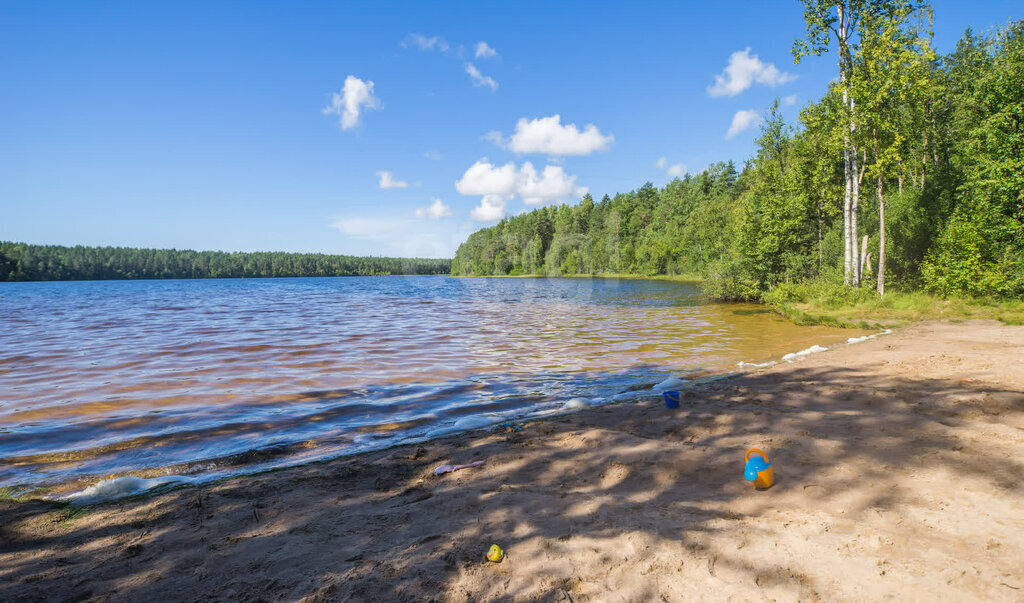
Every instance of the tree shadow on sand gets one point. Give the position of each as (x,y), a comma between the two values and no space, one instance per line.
(631,499)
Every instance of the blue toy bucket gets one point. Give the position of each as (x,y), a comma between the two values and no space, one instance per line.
(671,399)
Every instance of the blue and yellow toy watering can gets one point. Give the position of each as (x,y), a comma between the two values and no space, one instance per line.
(759,469)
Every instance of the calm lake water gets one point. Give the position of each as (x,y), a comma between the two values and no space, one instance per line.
(212,377)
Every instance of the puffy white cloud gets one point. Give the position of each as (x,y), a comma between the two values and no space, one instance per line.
(491,208)
(387,180)
(480,79)
(547,135)
(484,178)
(744,119)
(356,96)
(743,71)
(789,100)
(499,184)
(677,170)
(484,51)
(434,211)
(424,43)
(553,184)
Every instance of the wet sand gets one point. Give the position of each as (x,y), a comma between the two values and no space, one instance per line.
(898,461)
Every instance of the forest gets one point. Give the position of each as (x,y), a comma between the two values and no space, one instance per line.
(24,262)
(908,173)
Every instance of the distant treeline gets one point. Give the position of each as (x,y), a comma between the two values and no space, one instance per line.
(649,231)
(908,172)
(25,262)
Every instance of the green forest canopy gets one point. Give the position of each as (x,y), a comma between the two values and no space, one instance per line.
(24,262)
(937,151)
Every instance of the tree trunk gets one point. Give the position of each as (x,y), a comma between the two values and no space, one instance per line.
(863,255)
(854,202)
(849,238)
(881,240)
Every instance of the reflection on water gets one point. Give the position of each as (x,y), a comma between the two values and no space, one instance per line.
(210,376)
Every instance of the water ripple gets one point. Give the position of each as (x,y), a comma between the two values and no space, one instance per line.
(212,376)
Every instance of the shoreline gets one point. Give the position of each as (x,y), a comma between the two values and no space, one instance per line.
(675,278)
(896,309)
(896,472)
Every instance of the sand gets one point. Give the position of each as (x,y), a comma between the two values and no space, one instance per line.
(898,461)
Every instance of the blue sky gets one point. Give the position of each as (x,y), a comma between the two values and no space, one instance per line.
(223,126)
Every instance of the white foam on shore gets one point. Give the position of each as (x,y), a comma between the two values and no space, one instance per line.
(814,349)
(867,337)
(670,384)
(475,421)
(119,487)
(630,395)
(577,403)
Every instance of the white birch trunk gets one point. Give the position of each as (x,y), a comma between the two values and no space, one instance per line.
(854,200)
(863,255)
(847,240)
(881,240)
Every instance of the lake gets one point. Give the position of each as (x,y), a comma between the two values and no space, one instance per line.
(207,378)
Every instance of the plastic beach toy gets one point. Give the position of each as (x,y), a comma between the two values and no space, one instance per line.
(495,554)
(759,469)
(671,399)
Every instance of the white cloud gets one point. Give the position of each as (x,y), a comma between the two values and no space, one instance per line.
(743,71)
(677,170)
(499,184)
(434,211)
(355,96)
(547,135)
(480,79)
(433,155)
(484,178)
(491,209)
(553,184)
(387,180)
(424,43)
(483,51)
(744,118)
(789,100)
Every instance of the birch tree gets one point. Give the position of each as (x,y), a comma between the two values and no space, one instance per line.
(892,74)
(826,20)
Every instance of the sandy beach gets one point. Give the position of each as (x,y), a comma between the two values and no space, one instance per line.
(898,461)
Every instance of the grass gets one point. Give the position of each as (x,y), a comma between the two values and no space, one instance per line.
(70,513)
(893,310)
(21,492)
